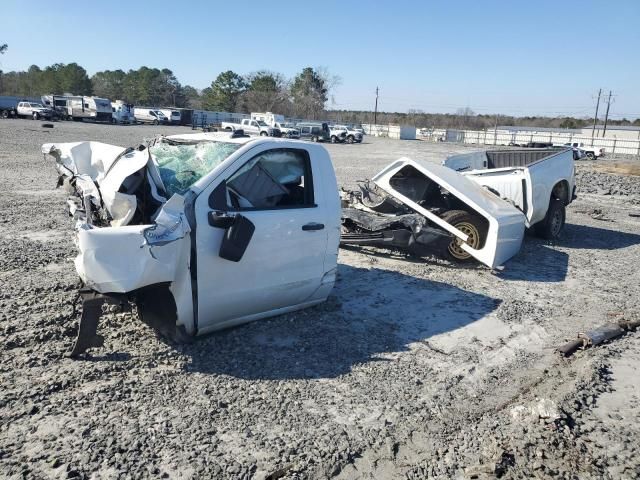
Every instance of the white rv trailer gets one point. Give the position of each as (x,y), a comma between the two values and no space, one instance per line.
(79,108)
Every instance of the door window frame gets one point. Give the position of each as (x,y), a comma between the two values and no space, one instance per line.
(308,180)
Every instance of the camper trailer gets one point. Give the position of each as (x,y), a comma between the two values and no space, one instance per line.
(267,117)
(78,108)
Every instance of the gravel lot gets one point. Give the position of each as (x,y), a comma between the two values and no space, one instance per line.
(415,368)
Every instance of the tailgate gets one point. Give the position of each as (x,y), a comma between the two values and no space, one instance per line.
(506,223)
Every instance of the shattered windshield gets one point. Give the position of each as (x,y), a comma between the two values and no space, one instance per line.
(181,166)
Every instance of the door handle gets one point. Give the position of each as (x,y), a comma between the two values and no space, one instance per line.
(313,226)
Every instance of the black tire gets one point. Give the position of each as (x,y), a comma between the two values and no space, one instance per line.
(5,114)
(114,121)
(334,139)
(474,226)
(35,116)
(350,139)
(552,225)
(263,134)
(314,139)
(591,156)
(156,122)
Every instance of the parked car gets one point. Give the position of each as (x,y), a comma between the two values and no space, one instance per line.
(149,115)
(34,110)
(353,135)
(337,135)
(252,127)
(315,132)
(233,229)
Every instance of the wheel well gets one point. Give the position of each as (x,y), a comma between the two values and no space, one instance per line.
(561,191)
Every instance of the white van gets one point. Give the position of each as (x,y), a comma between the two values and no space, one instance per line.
(149,115)
(173,116)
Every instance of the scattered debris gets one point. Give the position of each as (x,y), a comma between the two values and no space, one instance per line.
(599,335)
(543,408)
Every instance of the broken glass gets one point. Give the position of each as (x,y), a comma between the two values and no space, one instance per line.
(181,166)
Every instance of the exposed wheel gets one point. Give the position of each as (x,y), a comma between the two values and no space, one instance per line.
(314,139)
(471,225)
(334,139)
(350,139)
(156,122)
(551,226)
(114,121)
(5,114)
(263,134)
(591,155)
(36,116)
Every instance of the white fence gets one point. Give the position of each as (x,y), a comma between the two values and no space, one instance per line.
(506,137)
(399,132)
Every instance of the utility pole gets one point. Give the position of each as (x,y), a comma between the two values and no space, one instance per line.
(375,113)
(606,116)
(595,119)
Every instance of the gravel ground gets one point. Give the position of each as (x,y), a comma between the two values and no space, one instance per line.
(415,368)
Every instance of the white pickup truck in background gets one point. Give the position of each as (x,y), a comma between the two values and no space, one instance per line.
(591,151)
(252,127)
(34,110)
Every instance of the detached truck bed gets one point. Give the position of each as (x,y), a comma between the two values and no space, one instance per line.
(539,182)
(478,205)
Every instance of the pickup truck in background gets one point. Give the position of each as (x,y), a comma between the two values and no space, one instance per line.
(353,135)
(252,127)
(337,135)
(475,205)
(232,229)
(591,151)
(288,130)
(34,110)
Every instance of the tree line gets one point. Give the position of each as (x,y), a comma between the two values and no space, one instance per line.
(305,95)
(464,119)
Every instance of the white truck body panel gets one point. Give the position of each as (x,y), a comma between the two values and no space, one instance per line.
(506,223)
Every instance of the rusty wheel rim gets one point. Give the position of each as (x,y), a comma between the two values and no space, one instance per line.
(473,240)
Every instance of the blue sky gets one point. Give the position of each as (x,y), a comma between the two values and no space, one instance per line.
(514,57)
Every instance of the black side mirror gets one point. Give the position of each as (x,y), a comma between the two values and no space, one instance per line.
(236,239)
(220,219)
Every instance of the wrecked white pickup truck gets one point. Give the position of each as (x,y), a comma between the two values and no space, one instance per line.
(200,231)
(475,205)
